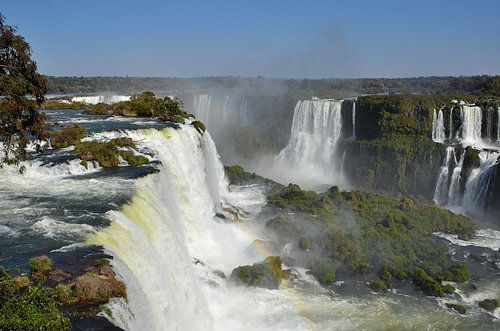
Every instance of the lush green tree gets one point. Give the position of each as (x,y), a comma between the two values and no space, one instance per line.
(22,90)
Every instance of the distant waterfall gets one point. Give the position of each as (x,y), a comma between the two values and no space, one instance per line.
(478,183)
(498,124)
(244,121)
(443,181)
(354,120)
(471,117)
(315,133)
(95,99)
(219,110)
(450,137)
(454,192)
(202,105)
(438,134)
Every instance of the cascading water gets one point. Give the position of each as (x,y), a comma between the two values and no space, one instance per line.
(498,124)
(443,181)
(471,118)
(109,99)
(354,120)
(454,192)
(202,104)
(315,133)
(219,110)
(243,112)
(478,182)
(438,134)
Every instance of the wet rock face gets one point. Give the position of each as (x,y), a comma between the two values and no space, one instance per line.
(266,274)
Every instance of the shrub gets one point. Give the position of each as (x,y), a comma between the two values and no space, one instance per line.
(69,135)
(378,285)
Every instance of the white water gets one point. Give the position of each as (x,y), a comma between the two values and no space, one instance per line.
(471,118)
(354,120)
(454,198)
(95,99)
(438,134)
(217,111)
(450,137)
(312,147)
(478,182)
(498,124)
(443,181)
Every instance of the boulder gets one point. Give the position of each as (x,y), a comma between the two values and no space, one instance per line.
(265,274)
(59,275)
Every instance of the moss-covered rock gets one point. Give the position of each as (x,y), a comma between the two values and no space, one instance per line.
(106,153)
(133,159)
(69,135)
(97,109)
(325,272)
(199,126)
(489,304)
(448,289)
(40,268)
(266,274)
(457,273)
(378,285)
(457,307)
(426,283)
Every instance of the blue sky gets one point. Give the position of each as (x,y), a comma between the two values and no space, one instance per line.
(272,38)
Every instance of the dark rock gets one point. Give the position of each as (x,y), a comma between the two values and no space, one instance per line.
(59,275)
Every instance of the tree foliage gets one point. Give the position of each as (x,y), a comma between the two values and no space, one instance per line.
(19,79)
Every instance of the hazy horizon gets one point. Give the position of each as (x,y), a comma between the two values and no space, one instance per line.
(274,39)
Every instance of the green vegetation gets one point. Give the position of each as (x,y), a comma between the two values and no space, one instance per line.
(40,268)
(106,153)
(199,126)
(69,135)
(24,306)
(267,274)
(457,307)
(489,304)
(238,176)
(378,285)
(488,85)
(147,105)
(19,80)
(97,109)
(365,233)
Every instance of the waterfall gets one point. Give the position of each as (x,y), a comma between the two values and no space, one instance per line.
(354,120)
(454,192)
(219,110)
(109,99)
(471,117)
(489,123)
(443,181)
(224,110)
(438,134)
(450,137)
(202,105)
(498,124)
(169,222)
(314,137)
(244,121)
(478,183)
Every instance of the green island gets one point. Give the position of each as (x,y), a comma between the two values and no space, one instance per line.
(364,235)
